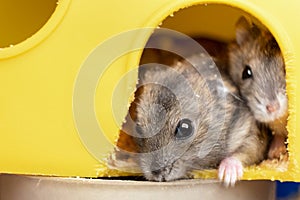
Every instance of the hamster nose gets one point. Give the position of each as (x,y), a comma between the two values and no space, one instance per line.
(156,172)
(273,107)
(159,175)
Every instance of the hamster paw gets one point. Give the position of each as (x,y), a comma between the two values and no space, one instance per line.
(277,148)
(230,170)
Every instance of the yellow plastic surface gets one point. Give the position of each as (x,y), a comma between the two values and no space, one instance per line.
(43,79)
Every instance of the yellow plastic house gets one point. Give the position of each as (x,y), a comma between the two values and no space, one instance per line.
(68,71)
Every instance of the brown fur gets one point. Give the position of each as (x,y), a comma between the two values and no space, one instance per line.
(256,47)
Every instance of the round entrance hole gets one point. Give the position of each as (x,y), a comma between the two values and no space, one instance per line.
(24,24)
(20,20)
(213,26)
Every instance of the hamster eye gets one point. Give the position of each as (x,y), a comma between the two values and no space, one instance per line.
(184,129)
(247,73)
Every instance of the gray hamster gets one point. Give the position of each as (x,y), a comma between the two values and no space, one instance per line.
(256,66)
(188,118)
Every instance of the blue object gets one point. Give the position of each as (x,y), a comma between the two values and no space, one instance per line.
(286,189)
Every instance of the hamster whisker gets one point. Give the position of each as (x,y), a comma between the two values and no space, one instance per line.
(236,97)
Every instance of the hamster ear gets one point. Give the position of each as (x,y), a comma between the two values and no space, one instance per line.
(246,31)
(149,73)
(242,30)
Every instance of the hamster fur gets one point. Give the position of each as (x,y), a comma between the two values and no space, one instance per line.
(256,66)
(186,121)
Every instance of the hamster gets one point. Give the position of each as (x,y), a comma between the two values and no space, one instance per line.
(256,66)
(186,120)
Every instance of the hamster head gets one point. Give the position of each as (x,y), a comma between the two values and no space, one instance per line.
(170,125)
(257,67)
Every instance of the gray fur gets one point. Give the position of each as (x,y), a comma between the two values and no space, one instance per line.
(224,126)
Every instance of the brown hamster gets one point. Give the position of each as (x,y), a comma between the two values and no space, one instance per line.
(257,68)
(187,118)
